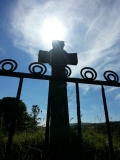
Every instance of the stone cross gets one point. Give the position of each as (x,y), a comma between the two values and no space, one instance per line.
(59,124)
(57,56)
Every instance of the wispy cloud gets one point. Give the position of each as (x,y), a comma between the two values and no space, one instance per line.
(112,89)
(2,50)
(117,97)
(92,30)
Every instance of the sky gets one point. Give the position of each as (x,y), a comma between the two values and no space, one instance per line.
(89,28)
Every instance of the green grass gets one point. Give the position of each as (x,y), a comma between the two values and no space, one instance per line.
(25,145)
(29,146)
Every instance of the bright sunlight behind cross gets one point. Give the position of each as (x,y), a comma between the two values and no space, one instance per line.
(52,30)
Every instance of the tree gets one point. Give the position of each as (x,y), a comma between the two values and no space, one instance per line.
(35,112)
(7,107)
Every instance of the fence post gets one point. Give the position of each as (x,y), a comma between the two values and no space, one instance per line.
(108,124)
(47,125)
(12,128)
(79,122)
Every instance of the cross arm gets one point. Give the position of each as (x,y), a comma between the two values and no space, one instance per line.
(72,59)
(43,56)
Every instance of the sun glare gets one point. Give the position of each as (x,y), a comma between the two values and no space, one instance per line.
(52,30)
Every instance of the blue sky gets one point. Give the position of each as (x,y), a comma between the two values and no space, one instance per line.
(89,28)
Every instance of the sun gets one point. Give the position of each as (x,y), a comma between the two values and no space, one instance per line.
(52,29)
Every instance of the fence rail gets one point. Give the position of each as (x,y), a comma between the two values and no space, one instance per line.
(111,79)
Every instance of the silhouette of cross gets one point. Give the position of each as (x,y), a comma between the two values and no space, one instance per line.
(57,56)
(59,122)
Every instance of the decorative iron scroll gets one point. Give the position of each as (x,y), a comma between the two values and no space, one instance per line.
(108,74)
(39,65)
(90,71)
(13,65)
(63,71)
(67,71)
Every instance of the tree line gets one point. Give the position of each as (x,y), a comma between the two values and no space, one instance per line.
(24,120)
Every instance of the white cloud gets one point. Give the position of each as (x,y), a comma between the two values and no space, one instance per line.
(112,89)
(2,51)
(92,30)
(117,97)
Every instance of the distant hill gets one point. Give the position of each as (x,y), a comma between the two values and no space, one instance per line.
(103,123)
(99,127)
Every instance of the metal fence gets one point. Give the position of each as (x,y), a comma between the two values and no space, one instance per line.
(111,79)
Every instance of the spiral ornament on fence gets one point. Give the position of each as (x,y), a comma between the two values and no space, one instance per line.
(39,65)
(8,62)
(87,70)
(108,74)
(64,71)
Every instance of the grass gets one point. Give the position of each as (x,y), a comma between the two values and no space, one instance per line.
(100,142)
(25,146)
(30,145)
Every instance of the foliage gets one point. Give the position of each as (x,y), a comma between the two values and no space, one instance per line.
(25,146)
(35,112)
(30,145)
(28,141)
(95,143)
(8,107)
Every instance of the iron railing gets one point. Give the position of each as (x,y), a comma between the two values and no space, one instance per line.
(111,79)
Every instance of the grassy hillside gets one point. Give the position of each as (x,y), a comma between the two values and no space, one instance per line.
(30,145)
